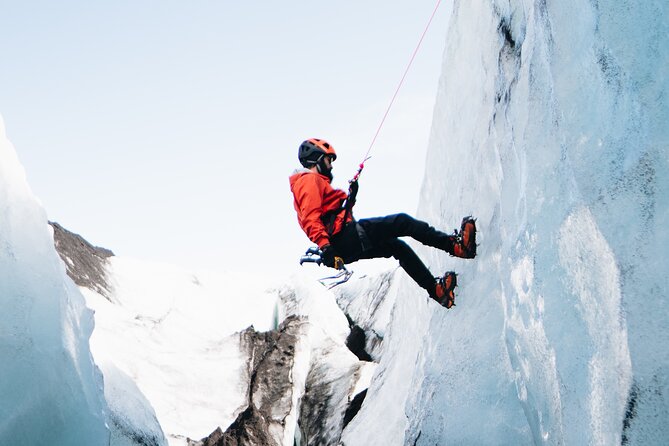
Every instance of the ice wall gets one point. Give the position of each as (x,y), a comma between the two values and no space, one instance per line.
(550,127)
(50,391)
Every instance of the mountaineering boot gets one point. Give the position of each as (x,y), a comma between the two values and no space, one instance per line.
(444,288)
(464,245)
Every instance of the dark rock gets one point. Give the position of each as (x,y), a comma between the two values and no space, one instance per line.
(361,307)
(271,357)
(86,264)
(209,441)
(354,407)
(325,402)
(251,428)
(356,341)
(315,406)
(504,29)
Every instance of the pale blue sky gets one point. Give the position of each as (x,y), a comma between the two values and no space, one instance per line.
(167,130)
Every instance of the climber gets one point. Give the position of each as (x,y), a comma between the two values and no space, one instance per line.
(325,215)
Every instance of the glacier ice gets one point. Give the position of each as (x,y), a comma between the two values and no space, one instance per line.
(50,390)
(132,420)
(550,127)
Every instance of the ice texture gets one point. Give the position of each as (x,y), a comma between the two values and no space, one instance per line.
(175,334)
(50,390)
(550,128)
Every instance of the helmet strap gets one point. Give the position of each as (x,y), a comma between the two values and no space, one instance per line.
(322,168)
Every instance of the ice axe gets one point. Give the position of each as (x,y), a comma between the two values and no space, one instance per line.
(313,255)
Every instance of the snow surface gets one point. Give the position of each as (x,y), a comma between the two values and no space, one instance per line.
(175,334)
(50,390)
(550,124)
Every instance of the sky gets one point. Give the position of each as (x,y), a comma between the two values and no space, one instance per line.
(167,130)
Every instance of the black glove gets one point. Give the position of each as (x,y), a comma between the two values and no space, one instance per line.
(352,193)
(330,257)
(353,188)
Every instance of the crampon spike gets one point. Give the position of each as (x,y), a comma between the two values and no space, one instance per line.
(332,281)
(313,255)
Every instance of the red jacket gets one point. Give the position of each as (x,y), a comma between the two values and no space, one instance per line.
(314,198)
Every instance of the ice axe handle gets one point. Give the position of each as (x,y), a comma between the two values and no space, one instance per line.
(313,255)
(310,259)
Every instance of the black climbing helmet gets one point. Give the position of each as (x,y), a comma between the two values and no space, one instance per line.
(312,151)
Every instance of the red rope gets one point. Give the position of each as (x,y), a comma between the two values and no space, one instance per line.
(397,90)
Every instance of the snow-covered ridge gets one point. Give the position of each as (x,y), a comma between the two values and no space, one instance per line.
(175,333)
(221,357)
(89,270)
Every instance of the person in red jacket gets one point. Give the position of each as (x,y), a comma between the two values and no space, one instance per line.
(325,214)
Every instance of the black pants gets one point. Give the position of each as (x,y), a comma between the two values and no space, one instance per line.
(378,237)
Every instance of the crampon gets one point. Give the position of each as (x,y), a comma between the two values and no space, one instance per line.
(465,239)
(444,292)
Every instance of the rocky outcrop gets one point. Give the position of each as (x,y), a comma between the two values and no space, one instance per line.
(270,401)
(251,428)
(339,369)
(326,400)
(303,378)
(302,382)
(86,264)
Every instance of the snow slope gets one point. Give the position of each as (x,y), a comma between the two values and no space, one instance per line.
(50,390)
(550,123)
(175,334)
(177,344)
